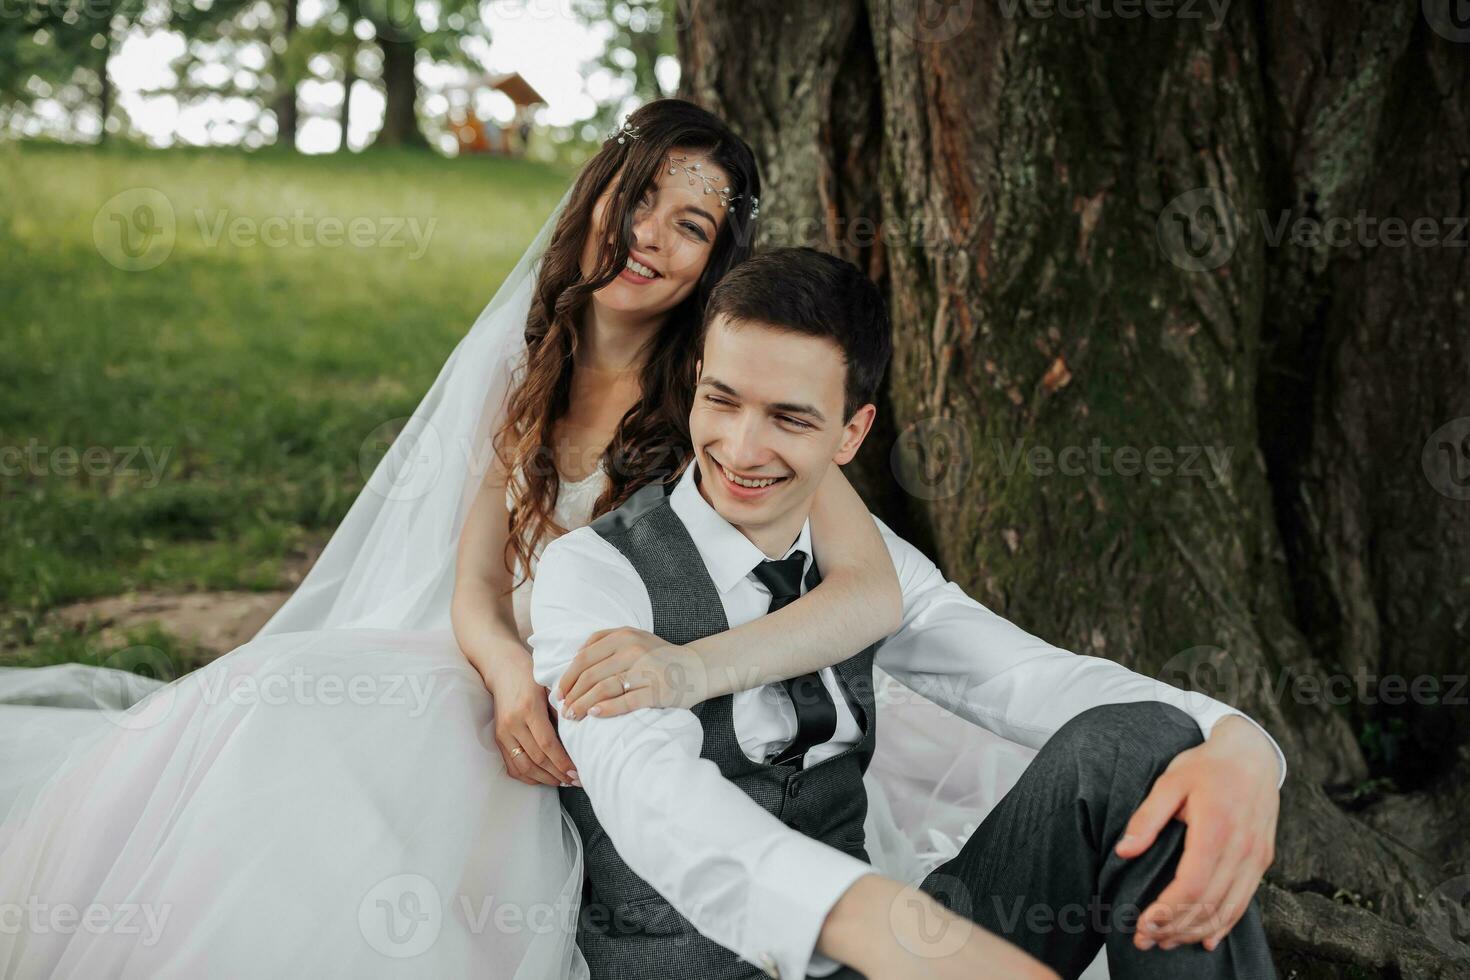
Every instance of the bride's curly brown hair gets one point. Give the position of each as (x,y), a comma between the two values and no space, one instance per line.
(652,441)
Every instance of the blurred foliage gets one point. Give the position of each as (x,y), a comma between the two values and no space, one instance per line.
(639,33)
(246,52)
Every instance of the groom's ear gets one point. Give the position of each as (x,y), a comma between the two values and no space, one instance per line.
(854,432)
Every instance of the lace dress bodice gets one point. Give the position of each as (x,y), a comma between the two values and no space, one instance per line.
(574,503)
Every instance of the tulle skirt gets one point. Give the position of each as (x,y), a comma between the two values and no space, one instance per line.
(332,803)
(329,803)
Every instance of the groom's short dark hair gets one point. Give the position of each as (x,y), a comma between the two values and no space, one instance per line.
(813,293)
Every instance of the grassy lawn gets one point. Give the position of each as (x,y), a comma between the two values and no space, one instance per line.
(190,425)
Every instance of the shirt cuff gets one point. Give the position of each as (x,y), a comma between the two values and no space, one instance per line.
(1210,717)
(800,880)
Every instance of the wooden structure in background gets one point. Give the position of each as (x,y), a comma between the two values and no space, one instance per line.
(480,136)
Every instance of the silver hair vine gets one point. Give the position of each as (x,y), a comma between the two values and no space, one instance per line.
(624,133)
(678,164)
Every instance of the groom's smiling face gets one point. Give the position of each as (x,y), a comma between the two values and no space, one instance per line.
(767,423)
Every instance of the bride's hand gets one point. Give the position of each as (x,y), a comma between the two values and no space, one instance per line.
(525,720)
(658,674)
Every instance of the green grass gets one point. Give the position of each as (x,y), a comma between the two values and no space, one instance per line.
(251,373)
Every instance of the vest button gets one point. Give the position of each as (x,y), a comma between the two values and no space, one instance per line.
(793,788)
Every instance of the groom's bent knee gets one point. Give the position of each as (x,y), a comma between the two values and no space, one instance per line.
(1147,733)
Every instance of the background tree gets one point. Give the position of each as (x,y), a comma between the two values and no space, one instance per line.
(406,31)
(61,51)
(1075,219)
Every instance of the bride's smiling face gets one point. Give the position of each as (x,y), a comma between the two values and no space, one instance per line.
(674,229)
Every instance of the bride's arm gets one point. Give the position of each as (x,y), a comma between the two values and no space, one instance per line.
(482,613)
(481,610)
(858,602)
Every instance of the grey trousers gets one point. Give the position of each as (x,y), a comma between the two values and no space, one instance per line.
(1041,871)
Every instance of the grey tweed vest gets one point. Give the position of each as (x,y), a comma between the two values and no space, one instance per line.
(626,930)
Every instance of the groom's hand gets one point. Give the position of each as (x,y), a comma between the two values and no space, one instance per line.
(658,674)
(1225,792)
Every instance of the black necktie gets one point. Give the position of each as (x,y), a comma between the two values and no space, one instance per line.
(816,715)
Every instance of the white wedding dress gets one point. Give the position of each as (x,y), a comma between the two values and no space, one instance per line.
(313,804)
(327,799)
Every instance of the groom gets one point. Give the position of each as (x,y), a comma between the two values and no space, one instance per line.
(726,840)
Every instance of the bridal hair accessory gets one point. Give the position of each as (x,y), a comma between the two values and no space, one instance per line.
(624,133)
(678,164)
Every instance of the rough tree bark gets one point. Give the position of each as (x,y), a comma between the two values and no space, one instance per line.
(1078,237)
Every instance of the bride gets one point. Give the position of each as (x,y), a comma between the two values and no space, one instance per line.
(366,787)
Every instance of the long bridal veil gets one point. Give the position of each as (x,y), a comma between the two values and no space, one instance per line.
(327,798)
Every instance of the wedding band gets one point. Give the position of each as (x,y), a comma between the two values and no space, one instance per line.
(626,685)
(516,751)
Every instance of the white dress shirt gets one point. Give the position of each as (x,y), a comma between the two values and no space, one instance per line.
(741,876)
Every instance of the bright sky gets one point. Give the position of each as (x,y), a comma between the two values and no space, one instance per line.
(538,38)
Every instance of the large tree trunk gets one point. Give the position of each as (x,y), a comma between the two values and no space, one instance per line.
(400,115)
(1129,421)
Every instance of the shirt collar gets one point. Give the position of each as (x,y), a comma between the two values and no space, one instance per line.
(728,554)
